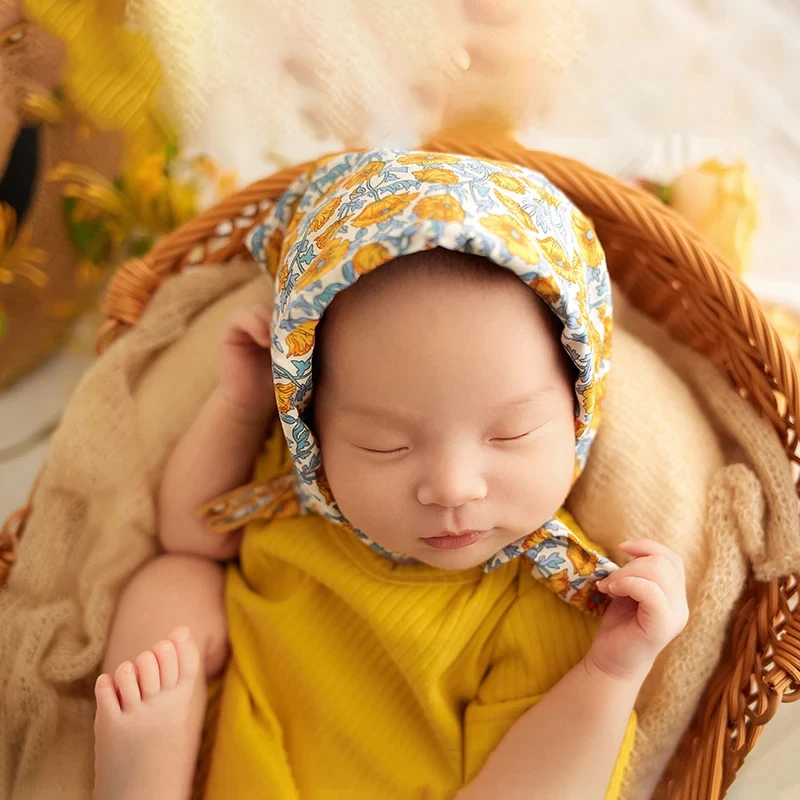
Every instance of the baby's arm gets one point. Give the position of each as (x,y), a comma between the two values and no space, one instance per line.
(217,453)
(567,745)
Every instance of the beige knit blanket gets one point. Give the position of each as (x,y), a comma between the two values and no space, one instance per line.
(680,458)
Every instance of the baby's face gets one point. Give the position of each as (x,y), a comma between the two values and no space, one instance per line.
(445,414)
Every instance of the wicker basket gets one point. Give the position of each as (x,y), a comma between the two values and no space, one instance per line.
(670,274)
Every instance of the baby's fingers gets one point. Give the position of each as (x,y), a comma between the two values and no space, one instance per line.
(654,608)
(660,570)
(254,323)
(647,547)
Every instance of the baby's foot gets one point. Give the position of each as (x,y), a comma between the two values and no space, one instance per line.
(144,745)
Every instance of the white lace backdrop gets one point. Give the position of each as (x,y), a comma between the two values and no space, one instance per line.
(626,85)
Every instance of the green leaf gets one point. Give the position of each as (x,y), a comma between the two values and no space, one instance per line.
(89,236)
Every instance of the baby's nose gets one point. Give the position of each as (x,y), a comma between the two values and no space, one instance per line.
(451,486)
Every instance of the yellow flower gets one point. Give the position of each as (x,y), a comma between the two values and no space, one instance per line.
(590,599)
(582,560)
(370,257)
(436,175)
(721,203)
(537,537)
(542,195)
(18,259)
(559,582)
(588,243)
(366,172)
(324,239)
(325,213)
(301,338)
(546,289)
(327,260)
(518,211)
(514,236)
(556,255)
(440,207)
(149,173)
(427,158)
(508,182)
(383,209)
(284,394)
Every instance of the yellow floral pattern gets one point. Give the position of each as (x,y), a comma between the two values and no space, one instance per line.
(440,207)
(513,236)
(444,177)
(352,213)
(370,257)
(301,339)
(384,209)
(506,181)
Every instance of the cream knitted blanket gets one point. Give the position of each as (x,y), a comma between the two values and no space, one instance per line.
(680,458)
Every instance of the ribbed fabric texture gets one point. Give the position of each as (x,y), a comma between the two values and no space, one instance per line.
(355,677)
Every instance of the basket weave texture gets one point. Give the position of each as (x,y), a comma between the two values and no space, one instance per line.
(671,275)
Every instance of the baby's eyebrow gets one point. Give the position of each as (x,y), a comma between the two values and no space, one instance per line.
(397,417)
(385,415)
(529,398)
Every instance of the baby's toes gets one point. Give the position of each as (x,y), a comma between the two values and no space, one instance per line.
(105,693)
(167,658)
(148,671)
(188,655)
(127,686)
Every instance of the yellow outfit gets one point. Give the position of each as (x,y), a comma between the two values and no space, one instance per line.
(354,677)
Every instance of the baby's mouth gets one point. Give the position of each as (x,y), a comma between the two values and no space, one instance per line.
(454,540)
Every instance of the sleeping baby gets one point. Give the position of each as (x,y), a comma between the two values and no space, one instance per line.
(408,610)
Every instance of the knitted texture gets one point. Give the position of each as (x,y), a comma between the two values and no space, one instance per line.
(92,522)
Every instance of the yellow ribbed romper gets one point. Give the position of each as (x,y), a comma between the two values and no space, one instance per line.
(354,677)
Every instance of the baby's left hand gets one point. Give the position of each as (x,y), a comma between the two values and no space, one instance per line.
(648,610)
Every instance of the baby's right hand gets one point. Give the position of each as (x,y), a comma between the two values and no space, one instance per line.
(245,364)
(648,610)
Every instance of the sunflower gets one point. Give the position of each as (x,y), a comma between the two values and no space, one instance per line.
(423,159)
(370,257)
(513,235)
(366,172)
(588,243)
(328,258)
(436,175)
(301,338)
(508,182)
(440,207)
(324,214)
(384,209)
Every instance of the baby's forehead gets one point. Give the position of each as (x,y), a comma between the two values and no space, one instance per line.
(436,271)
(459,306)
